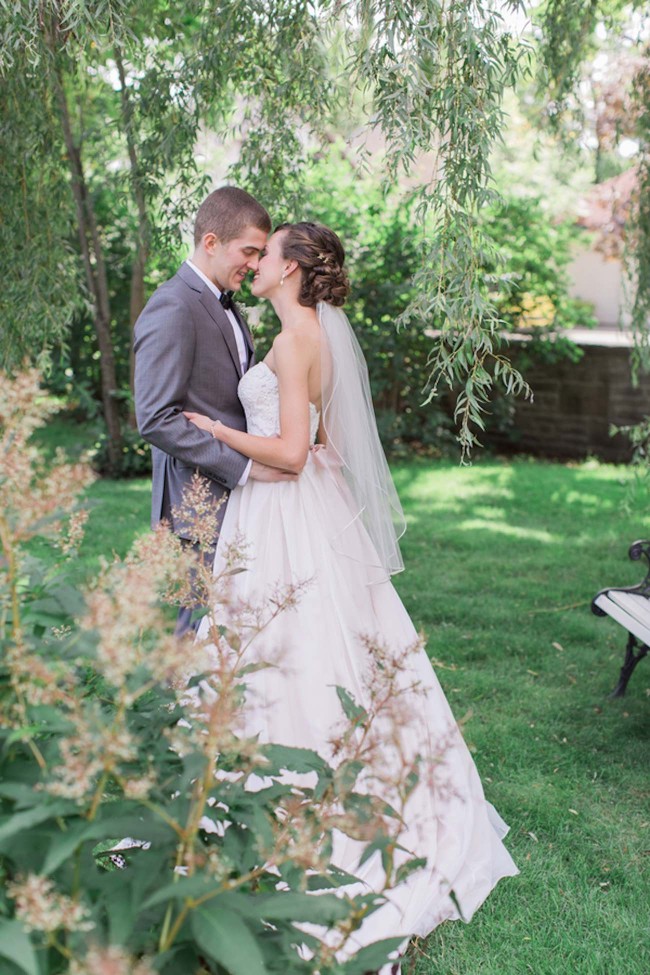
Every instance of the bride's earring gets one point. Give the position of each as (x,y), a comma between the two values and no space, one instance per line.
(284,274)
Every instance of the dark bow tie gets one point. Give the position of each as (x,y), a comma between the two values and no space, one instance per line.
(226,299)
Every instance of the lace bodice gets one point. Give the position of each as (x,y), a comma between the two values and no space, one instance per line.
(260,397)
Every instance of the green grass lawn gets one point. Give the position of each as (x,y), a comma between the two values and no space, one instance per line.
(502,559)
(502,562)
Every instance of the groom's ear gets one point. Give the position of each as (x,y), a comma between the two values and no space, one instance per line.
(209,241)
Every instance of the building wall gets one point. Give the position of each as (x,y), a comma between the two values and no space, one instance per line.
(576,403)
(599,281)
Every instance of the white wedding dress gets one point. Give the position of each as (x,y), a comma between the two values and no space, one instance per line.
(291,529)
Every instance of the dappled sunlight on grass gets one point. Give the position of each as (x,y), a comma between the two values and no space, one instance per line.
(580,498)
(517,494)
(501,527)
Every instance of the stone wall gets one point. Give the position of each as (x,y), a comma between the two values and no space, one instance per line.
(576,403)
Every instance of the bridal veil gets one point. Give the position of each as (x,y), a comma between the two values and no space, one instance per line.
(348,418)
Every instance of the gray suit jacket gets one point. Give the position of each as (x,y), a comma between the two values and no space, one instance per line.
(186,359)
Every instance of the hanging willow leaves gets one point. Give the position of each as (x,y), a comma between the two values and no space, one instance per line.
(437,73)
(104,102)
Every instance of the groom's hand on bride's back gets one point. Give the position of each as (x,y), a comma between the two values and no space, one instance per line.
(260,472)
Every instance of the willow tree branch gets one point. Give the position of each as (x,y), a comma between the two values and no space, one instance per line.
(143,235)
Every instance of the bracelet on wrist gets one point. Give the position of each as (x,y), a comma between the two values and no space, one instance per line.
(213,428)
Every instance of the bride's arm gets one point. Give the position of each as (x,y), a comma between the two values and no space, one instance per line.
(289,450)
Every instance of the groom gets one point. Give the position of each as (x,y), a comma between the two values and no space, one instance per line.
(191,349)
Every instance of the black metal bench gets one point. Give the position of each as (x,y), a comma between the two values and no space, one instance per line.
(629,606)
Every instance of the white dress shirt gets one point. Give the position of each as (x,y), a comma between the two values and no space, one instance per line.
(239,339)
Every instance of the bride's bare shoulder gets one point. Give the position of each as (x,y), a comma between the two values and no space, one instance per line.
(303,343)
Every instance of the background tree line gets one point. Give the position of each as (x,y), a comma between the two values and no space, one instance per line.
(102,107)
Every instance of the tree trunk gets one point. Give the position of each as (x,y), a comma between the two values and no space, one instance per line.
(143,240)
(93,258)
(136,305)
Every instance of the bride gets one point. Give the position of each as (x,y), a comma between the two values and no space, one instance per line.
(336,526)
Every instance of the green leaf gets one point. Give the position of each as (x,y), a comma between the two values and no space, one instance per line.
(372,957)
(407,868)
(182,888)
(178,960)
(22,793)
(135,825)
(381,843)
(121,918)
(347,775)
(223,936)
(16,946)
(285,757)
(335,877)
(31,817)
(320,909)
(456,903)
(352,710)
(64,845)
(24,733)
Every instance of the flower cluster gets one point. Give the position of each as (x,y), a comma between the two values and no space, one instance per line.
(93,746)
(111,960)
(40,907)
(199,513)
(126,612)
(72,537)
(33,498)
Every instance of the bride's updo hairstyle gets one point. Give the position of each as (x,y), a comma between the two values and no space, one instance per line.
(320,256)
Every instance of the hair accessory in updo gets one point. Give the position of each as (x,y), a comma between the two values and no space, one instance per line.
(320,255)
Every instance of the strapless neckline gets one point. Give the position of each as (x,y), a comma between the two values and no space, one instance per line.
(275,376)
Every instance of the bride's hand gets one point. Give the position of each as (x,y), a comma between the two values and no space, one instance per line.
(201,421)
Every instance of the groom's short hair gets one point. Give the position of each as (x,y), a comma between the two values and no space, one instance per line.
(227,212)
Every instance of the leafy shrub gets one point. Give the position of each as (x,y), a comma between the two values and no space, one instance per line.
(136,453)
(130,840)
(530,284)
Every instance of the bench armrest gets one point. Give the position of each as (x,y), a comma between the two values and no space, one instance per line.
(637,550)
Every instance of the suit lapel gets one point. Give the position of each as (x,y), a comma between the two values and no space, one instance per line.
(248,338)
(218,314)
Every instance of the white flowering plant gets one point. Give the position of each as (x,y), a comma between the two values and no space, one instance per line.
(131,842)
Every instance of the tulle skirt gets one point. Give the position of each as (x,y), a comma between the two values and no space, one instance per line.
(307,533)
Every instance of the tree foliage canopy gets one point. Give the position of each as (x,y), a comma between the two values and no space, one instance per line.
(117,92)
(104,101)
